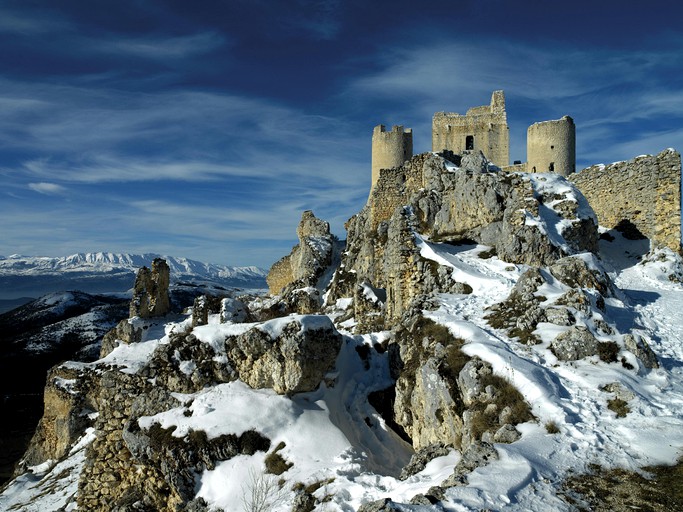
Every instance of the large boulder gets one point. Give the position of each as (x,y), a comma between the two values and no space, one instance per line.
(289,355)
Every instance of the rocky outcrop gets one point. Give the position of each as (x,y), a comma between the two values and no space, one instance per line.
(126,331)
(429,198)
(289,355)
(68,402)
(581,308)
(150,292)
(445,398)
(300,277)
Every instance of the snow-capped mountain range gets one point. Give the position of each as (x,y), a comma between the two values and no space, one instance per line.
(102,272)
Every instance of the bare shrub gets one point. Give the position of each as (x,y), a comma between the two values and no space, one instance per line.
(261,492)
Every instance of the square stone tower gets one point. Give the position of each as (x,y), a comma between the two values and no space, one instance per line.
(483,128)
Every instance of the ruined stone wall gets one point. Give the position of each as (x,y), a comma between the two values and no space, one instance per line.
(486,126)
(645,191)
(514,168)
(390,149)
(280,275)
(392,190)
(551,146)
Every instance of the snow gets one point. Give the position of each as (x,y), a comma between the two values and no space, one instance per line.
(333,435)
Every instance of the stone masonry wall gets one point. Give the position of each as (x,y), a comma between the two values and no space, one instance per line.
(645,191)
(487,125)
(390,149)
(551,146)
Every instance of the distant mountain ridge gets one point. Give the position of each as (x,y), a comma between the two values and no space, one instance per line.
(102,272)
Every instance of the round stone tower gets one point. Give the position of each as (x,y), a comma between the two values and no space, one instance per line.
(390,149)
(551,146)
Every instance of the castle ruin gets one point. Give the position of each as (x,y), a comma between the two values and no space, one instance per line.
(482,129)
(390,149)
(551,147)
(644,192)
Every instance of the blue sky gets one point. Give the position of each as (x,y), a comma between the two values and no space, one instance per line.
(204,129)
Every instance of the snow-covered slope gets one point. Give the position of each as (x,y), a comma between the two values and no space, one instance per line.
(342,448)
(104,272)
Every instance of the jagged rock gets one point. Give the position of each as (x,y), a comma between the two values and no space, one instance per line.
(67,403)
(474,161)
(308,260)
(575,343)
(235,311)
(427,404)
(203,306)
(420,459)
(427,196)
(559,316)
(506,434)
(476,455)
(576,273)
(640,348)
(127,331)
(289,355)
(150,292)
(383,505)
(579,300)
(470,380)
(303,502)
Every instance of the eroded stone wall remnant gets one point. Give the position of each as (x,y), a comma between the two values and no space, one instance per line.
(644,191)
(150,292)
(482,129)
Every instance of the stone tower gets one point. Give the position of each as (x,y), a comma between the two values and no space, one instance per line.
(390,149)
(483,128)
(551,146)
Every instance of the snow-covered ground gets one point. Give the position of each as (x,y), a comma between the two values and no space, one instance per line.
(334,437)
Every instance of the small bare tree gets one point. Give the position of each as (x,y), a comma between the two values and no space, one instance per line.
(261,492)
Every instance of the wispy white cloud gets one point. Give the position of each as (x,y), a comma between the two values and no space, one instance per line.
(158,48)
(600,88)
(47,188)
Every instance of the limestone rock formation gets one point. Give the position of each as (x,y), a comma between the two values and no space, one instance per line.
(150,292)
(444,397)
(289,355)
(126,331)
(67,403)
(300,276)
(430,198)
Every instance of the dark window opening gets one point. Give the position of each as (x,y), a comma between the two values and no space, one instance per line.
(552,147)
(551,167)
(469,142)
(517,162)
